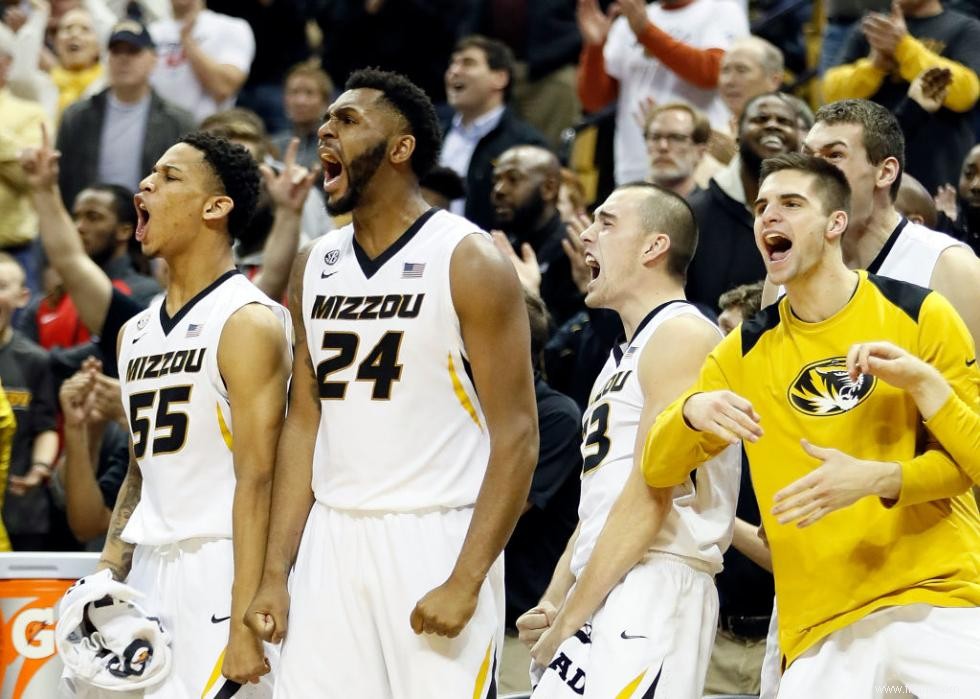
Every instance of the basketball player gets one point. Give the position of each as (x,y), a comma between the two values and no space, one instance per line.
(411,436)
(864,140)
(632,607)
(203,374)
(883,593)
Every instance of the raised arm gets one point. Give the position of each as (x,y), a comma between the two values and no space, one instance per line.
(89,287)
(220,80)
(637,516)
(292,490)
(258,406)
(496,333)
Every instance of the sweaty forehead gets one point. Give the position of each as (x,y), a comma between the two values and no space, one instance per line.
(823,134)
(786,182)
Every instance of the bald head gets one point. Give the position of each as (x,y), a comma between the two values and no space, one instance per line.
(662,211)
(532,159)
(526,182)
(915,203)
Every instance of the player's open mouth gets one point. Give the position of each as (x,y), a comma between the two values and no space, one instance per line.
(142,217)
(593,265)
(777,246)
(333,171)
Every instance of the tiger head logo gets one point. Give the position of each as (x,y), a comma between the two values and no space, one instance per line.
(824,388)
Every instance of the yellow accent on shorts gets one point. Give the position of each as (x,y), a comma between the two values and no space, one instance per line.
(627,691)
(481,676)
(461,394)
(216,672)
(223,426)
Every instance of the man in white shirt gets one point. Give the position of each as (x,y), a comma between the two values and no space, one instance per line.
(204,57)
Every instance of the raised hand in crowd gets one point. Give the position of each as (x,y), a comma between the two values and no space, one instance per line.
(289,186)
(526,265)
(593,24)
(572,245)
(40,164)
(946,201)
(14,17)
(643,111)
(635,12)
(930,87)
(885,31)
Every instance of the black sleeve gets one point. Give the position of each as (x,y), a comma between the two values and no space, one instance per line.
(113,463)
(560,456)
(855,46)
(27,320)
(121,309)
(965,47)
(44,402)
(912,117)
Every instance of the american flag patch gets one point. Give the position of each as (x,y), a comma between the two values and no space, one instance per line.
(413,270)
(194,329)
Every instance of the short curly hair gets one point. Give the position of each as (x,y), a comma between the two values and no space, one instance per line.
(414,106)
(236,171)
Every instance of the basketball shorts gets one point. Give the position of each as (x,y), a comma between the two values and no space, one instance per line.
(912,650)
(357,578)
(188,585)
(653,636)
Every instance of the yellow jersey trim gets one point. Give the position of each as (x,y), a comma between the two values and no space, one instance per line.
(461,394)
(223,426)
(481,676)
(628,690)
(216,671)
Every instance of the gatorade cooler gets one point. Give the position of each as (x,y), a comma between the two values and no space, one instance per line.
(30,586)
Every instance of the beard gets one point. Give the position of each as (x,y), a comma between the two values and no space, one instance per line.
(751,161)
(360,172)
(526,216)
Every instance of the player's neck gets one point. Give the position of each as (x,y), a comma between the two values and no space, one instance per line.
(381,221)
(861,244)
(819,293)
(641,300)
(192,272)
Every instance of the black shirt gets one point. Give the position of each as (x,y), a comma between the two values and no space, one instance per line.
(542,532)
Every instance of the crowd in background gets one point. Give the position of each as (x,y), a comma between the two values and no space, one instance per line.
(546,105)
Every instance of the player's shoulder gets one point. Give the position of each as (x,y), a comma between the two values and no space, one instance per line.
(906,297)
(755,328)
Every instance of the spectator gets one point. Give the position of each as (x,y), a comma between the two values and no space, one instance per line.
(478,85)
(750,67)
(526,180)
(279,28)
(20,127)
(96,451)
(307,95)
(441,186)
(546,43)
(551,511)
(8,425)
(914,202)
(571,196)
(24,36)
(962,217)
(669,51)
(677,139)
(738,304)
(28,385)
(727,255)
(79,73)
(204,58)
(886,52)
(841,16)
(116,136)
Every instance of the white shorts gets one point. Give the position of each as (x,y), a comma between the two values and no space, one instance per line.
(356,581)
(188,585)
(654,633)
(921,650)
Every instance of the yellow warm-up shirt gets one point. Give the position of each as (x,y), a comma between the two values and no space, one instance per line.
(924,548)
(8,425)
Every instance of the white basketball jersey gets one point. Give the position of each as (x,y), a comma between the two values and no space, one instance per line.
(401,426)
(911,252)
(179,415)
(699,524)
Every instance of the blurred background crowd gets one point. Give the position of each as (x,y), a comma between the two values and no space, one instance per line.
(546,106)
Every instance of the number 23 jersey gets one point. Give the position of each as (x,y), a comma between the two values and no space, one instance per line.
(401,427)
(179,415)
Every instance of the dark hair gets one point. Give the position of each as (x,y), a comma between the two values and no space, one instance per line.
(413,105)
(499,56)
(237,174)
(122,202)
(746,297)
(311,70)
(880,133)
(540,321)
(666,212)
(831,184)
(444,180)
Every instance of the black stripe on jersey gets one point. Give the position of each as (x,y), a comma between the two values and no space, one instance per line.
(758,325)
(169,323)
(652,689)
(887,248)
(908,297)
(369,266)
(621,340)
(228,690)
(492,692)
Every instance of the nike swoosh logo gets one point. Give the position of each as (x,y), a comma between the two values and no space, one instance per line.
(137,339)
(324,275)
(971,362)
(216,620)
(626,637)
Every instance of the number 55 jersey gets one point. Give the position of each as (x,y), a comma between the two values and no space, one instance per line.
(401,426)
(179,415)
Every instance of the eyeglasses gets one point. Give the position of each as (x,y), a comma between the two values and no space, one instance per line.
(673,139)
